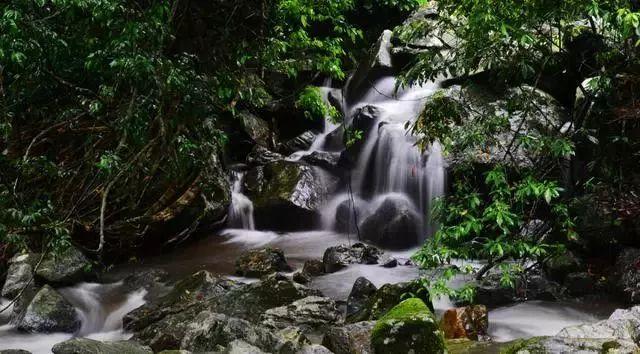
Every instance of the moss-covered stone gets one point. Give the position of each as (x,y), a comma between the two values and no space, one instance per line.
(552,345)
(90,346)
(410,327)
(49,312)
(388,296)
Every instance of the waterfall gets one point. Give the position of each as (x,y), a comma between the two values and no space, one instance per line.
(241,208)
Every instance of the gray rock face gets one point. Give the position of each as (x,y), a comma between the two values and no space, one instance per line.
(313,267)
(242,347)
(349,339)
(256,128)
(552,345)
(257,263)
(393,225)
(361,293)
(622,324)
(300,143)
(90,346)
(197,288)
(338,257)
(49,312)
(311,313)
(628,281)
(261,156)
(287,195)
(324,159)
(314,349)
(19,275)
(67,267)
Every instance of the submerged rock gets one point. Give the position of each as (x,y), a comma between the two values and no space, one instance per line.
(410,327)
(338,257)
(349,339)
(470,322)
(90,346)
(49,312)
(260,262)
(312,314)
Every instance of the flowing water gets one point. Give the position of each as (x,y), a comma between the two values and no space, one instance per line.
(389,167)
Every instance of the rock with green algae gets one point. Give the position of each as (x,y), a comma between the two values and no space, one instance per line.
(467,346)
(385,298)
(552,345)
(260,262)
(66,267)
(49,312)
(90,346)
(410,327)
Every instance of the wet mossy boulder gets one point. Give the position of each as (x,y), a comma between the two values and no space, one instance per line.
(287,195)
(410,327)
(197,288)
(552,345)
(261,262)
(66,267)
(90,346)
(387,297)
(49,312)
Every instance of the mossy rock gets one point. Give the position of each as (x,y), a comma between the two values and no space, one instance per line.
(388,296)
(408,327)
(90,346)
(550,345)
(66,267)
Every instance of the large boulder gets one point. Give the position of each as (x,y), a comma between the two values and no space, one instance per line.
(387,297)
(395,224)
(90,346)
(353,338)
(622,324)
(410,327)
(628,275)
(287,195)
(49,312)
(338,257)
(552,345)
(361,293)
(470,322)
(66,267)
(197,288)
(261,262)
(312,314)
(19,275)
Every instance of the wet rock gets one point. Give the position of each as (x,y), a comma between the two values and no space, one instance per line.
(579,284)
(314,349)
(251,300)
(19,275)
(387,297)
(287,195)
(149,279)
(393,225)
(260,155)
(167,333)
(301,278)
(256,128)
(313,267)
(197,288)
(338,257)
(550,345)
(49,312)
(408,327)
(310,314)
(294,336)
(622,324)
(559,266)
(257,263)
(67,267)
(346,217)
(324,159)
(361,293)
(378,64)
(242,347)
(300,143)
(628,274)
(389,262)
(490,292)
(208,331)
(349,339)
(90,346)
(470,322)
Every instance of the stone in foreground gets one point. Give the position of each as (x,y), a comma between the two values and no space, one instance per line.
(90,346)
(49,312)
(409,327)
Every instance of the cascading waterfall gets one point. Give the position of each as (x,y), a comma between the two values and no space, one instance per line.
(241,208)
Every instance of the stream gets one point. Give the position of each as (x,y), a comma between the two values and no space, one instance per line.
(390,170)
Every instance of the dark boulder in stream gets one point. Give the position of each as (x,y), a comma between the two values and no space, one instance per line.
(338,257)
(49,312)
(287,195)
(261,262)
(365,305)
(394,225)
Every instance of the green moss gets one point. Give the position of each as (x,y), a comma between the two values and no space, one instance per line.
(410,326)
(531,346)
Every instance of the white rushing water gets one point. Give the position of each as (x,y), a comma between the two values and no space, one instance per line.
(100,308)
(241,208)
